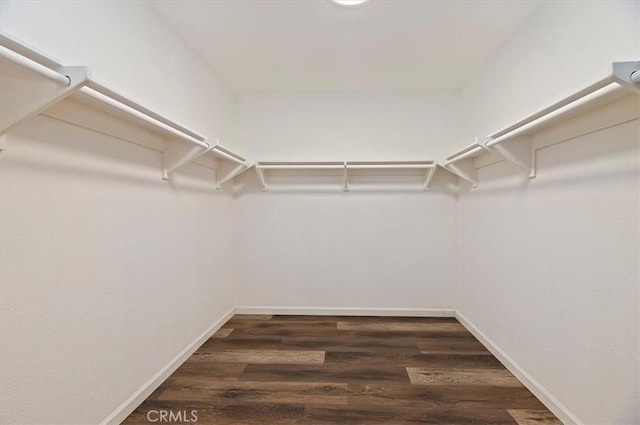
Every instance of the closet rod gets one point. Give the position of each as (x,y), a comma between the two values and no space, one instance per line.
(635,77)
(226,153)
(464,155)
(128,102)
(594,91)
(38,62)
(130,110)
(34,66)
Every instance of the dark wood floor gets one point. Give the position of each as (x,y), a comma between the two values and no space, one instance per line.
(321,370)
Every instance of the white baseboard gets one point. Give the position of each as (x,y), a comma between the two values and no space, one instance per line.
(125,409)
(345,311)
(534,386)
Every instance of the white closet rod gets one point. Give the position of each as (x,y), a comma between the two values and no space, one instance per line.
(31,59)
(129,110)
(128,102)
(576,100)
(226,153)
(34,66)
(99,92)
(464,155)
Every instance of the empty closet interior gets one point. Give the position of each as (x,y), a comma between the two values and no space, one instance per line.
(165,165)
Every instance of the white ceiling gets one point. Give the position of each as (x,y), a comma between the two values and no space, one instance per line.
(315,45)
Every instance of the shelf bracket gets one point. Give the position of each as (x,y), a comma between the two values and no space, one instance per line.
(345,178)
(430,172)
(627,74)
(178,155)
(230,175)
(262,178)
(466,170)
(463,163)
(32,105)
(518,151)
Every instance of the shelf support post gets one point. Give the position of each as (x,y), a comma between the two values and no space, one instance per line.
(345,178)
(262,178)
(430,172)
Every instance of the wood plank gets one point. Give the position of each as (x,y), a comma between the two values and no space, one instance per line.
(487,377)
(324,373)
(196,389)
(349,341)
(393,394)
(306,318)
(436,361)
(247,320)
(261,356)
(399,326)
(451,346)
(251,317)
(241,343)
(283,329)
(223,333)
(416,335)
(212,370)
(534,417)
(404,416)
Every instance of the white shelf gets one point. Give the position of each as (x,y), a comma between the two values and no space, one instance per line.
(514,142)
(374,175)
(30,82)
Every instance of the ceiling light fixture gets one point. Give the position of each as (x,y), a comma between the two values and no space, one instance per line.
(350,2)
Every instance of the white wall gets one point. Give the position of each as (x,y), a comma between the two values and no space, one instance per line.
(549,270)
(345,251)
(347,126)
(329,249)
(562,48)
(107,272)
(549,267)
